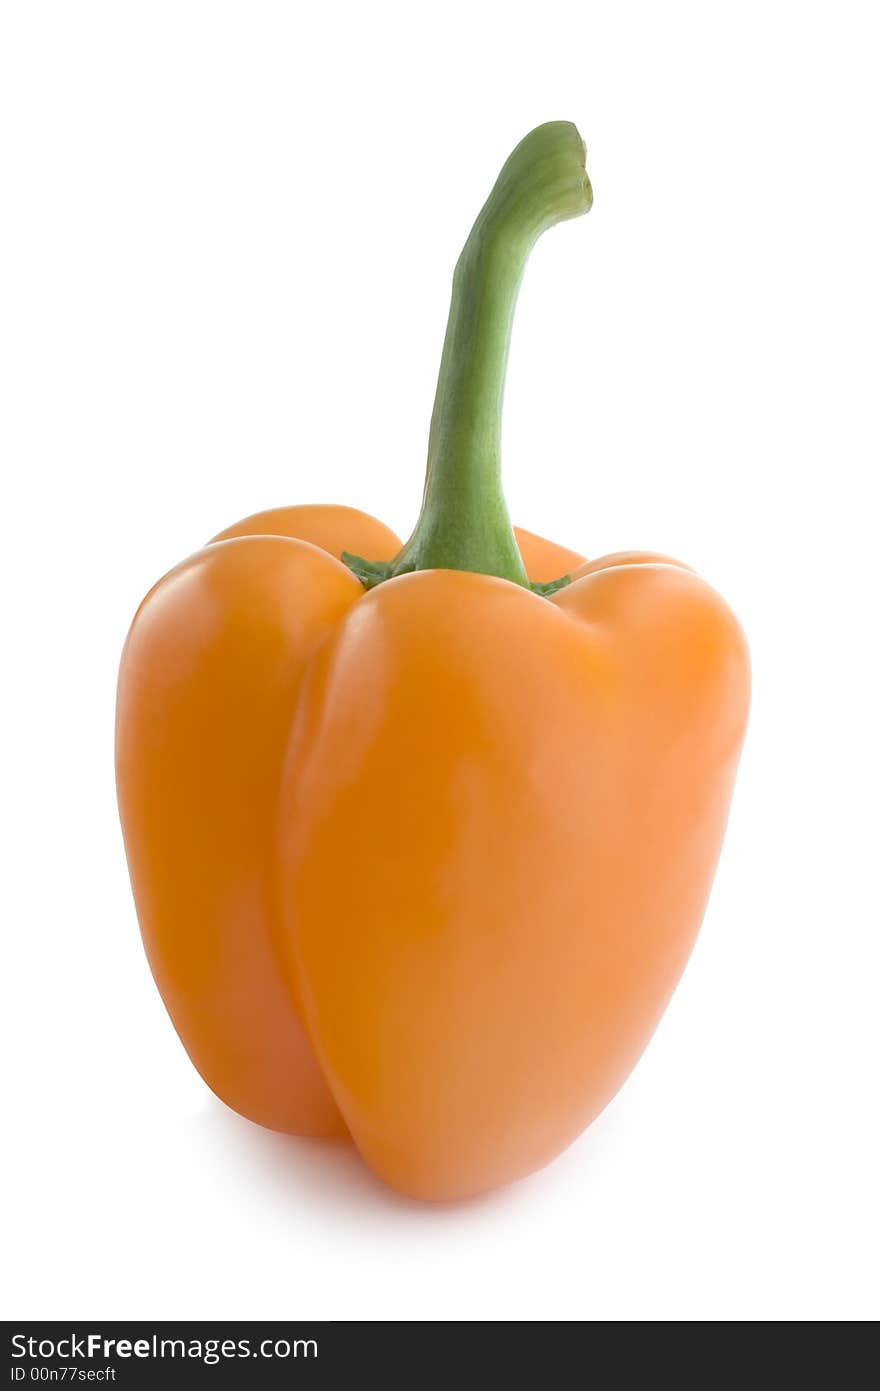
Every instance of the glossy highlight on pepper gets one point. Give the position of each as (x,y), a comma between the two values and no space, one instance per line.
(420,835)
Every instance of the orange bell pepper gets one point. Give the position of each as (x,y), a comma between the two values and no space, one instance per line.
(420,842)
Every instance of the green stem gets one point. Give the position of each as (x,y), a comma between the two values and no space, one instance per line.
(464,524)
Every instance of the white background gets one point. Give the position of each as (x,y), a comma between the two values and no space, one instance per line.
(227,241)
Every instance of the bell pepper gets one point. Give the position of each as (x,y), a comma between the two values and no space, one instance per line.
(420,836)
